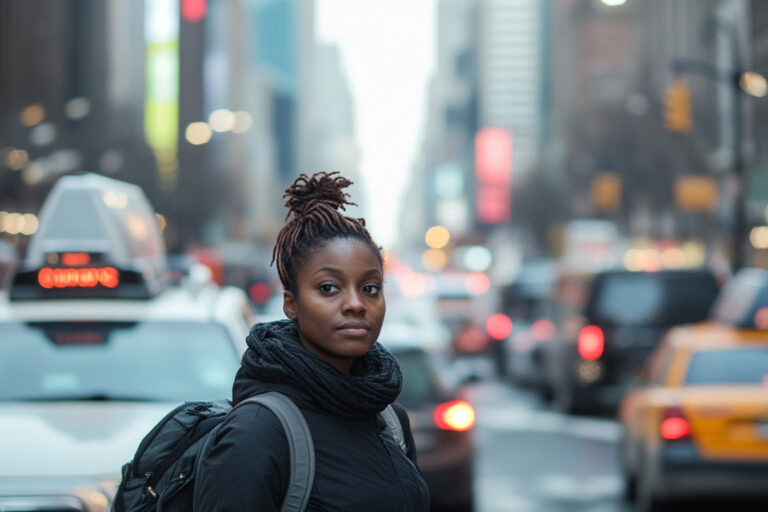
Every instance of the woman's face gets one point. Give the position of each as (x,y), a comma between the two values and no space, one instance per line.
(339,305)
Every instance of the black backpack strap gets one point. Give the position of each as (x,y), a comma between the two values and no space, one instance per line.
(300,446)
(393,423)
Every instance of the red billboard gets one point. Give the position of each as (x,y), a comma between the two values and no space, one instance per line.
(493,176)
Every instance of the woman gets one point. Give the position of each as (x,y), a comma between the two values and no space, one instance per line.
(326,359)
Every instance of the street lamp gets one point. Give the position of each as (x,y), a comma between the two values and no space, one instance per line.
(753,84)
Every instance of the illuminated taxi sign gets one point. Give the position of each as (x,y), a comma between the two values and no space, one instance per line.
(88,282)
(77,270)
(97,238)
(48,278)
(75,259)
(92,214)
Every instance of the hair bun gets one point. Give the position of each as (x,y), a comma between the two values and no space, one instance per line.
(322,188)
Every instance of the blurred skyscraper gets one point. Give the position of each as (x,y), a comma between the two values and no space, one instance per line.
(512,75)
(612,67)
(71,97)
(283,48)
(332,137)
(442,182)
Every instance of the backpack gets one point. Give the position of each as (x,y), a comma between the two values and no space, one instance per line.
(162,474)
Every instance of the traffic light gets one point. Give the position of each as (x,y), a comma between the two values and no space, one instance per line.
(606,192)
(677,107)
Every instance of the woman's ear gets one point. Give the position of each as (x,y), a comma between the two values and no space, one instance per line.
(289,305)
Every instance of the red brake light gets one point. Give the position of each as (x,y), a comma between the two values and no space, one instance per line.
(477,283)
(499,326)
(260,292)
(674,426)
(543,330)
(591,342)
(456,415)
(193,11)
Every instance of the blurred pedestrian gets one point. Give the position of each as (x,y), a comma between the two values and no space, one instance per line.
(326,359)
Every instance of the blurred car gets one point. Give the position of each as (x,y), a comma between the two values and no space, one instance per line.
(525,353)
(441,419)
(700,427)
(96,346)
(607,325)
(8,261)
(522,297)
(418,313)
(465,300)
(526,300)
(743,301)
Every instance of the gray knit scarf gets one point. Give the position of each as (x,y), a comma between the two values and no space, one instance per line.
(276,355)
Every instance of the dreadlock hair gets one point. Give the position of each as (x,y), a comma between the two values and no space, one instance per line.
(314,219)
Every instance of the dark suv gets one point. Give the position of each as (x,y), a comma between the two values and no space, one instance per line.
(609,322)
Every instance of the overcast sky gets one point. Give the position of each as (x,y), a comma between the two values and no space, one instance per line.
(387,47)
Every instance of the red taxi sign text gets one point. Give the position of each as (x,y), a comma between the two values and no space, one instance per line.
(48,278)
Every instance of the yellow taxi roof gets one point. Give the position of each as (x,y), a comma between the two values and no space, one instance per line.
(713,335)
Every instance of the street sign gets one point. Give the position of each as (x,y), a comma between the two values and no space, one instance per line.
(696,193)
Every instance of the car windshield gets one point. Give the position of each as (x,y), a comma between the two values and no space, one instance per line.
(420,381)
(653,299)
(739,366)
(115,361)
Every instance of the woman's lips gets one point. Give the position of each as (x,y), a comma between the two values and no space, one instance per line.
(354,330)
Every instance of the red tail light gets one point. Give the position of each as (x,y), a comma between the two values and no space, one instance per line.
(674,426)
(499,326)
(591,342)
(260,292)
(543,330)
(456,415)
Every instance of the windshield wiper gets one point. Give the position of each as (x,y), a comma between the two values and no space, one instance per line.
(92,397)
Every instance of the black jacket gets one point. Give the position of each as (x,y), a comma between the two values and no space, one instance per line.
(359,467)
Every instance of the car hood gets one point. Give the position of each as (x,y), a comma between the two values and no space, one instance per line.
(73,438)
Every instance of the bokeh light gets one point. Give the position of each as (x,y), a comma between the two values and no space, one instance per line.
(434,260)
(222,120)
(32,115)
(198,133)
(477,283)
(437,237)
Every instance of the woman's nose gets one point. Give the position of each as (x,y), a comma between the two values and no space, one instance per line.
(354,302)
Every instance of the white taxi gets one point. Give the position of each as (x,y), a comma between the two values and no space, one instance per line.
(96,346)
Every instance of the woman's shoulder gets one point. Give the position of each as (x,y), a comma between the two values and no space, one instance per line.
(248,461)
(402,415)
(251,422)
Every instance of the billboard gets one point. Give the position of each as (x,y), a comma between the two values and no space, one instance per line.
(493,176)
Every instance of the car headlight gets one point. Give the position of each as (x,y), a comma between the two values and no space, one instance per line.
(109,487)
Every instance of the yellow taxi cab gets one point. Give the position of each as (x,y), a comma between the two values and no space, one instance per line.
(700,426)
(96,345)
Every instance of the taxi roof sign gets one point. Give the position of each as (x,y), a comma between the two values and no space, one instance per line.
(91,220)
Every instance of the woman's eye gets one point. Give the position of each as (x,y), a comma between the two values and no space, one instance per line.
(328,288)
(372,289)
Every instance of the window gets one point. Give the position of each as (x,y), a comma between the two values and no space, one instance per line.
(653,299)
(420,382)
(735,366)
(629,299)
(171,361)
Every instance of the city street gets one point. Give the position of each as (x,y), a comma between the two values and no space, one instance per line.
(538,226)
(530,459)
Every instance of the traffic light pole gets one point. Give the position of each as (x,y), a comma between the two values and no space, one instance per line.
(703,68)
(740,195)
